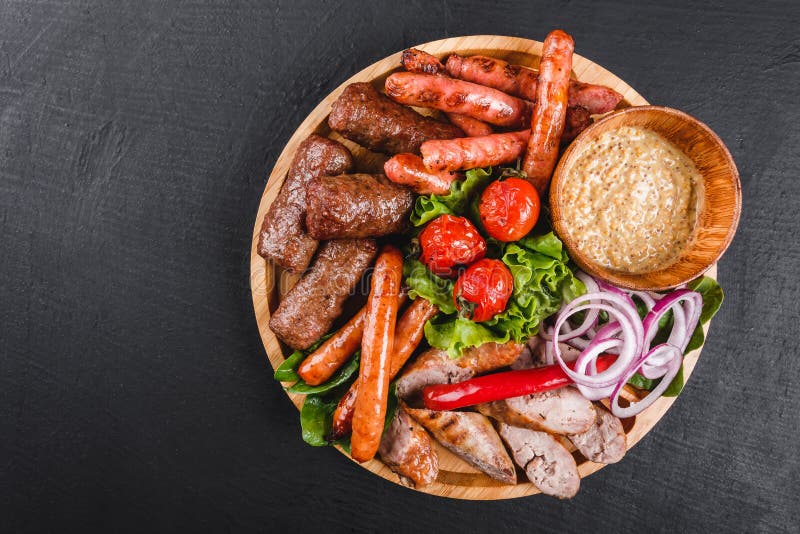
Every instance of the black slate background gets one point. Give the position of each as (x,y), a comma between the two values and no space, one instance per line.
(135,140)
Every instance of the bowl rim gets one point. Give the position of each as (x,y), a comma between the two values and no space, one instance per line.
(640,281)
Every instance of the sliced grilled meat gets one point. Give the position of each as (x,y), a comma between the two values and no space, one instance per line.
(408,451)
(378,123)
(560,411)
(436,367)
(605,441)
(308,310)
(548,464)
(472,437)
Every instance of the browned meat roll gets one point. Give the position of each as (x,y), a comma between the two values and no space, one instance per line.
(307,312)
(605,441)
(376,122)
(356,206)
(283,238)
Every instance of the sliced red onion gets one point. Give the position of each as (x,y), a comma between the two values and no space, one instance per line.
(672,369)
(625,334)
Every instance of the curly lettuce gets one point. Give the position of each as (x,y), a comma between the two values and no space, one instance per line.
(542,282)
(456,202)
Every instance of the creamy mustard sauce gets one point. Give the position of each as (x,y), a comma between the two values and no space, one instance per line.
(631,199)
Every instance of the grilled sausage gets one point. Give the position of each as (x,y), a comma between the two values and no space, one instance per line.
(408,334)
(472,437)
(522,82)
(547,463)
(435,367)
(605,441)
(376,351)
(549,111)
(471,152)
(311,306)
(410,171)
(320,365)
(420,62)
(457,96)
(376,122)
(407,449)
(560,411)
(470,126)
(578,119)
(283,238)
(356,206)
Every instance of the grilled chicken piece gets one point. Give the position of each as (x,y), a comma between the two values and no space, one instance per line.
(408,451)
(435,367)
(472,437)
(548,464)
(605,441)
(560,411)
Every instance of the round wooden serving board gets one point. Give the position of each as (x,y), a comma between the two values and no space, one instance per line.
(456,478)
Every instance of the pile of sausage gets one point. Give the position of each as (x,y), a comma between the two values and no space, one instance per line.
(327,220)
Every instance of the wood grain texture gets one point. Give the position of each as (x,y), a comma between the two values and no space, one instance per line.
(134,143)
(456,478)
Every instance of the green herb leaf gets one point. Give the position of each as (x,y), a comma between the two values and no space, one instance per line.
(456,202)
(697,339)
(342,376)
(287,371)
(676,386)
(641,382)
(392,405)
(712,296)
(316,419)
(423,283)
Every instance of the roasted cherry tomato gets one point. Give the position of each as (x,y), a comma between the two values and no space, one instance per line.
(483,290)
(449,241)
(509,209)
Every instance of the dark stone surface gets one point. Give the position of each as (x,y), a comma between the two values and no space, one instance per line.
(134,143)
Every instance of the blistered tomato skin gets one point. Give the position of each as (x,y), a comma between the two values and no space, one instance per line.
(483,290)
(449,242)
(509,209)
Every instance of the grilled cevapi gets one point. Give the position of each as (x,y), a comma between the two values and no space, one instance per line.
(307,312)
(283,237)
(374,121)
(356,206)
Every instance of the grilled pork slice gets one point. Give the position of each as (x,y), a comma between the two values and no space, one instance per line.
(408,451)
(471,436)
(435,367)
(534,354)
(605,441)
(560,411)
(548,464)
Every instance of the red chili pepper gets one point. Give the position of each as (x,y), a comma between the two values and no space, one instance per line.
(503,385)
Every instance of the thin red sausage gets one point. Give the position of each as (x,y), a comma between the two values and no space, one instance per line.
(408,169)
(471,127)
(550,109)
(472,152)
(415,60)
(376,351)
(522,82)
(457,96)
(408,335)
(320,365)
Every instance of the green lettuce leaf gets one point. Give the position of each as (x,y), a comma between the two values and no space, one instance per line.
(542,283)
(344,375)
(456,202)
(423,283)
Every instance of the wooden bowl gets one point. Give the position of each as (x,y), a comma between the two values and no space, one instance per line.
(717,218)
(268,284)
